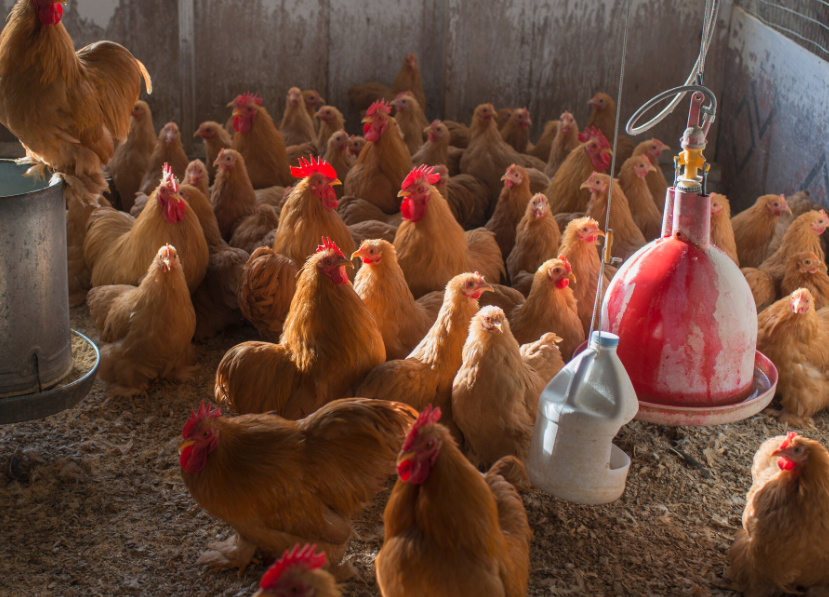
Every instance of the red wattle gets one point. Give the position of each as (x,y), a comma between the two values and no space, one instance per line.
(50,15)
(562,284)
(338,276)
(406,208)
(785,464)
(242,125)
(509,183)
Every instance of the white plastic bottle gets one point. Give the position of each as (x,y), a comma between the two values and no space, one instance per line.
(572,455)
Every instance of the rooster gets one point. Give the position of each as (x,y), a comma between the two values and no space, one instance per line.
(382,164)
(331,122)
(260,143)
(563,144)
(119,249)
(722,234)
(297,573)
(329,342)
(297,126)
(806,270)
(448,529)
(495,393)
(431,246)
(168,150)
(782,547)
(411,119)
(603,117)
(627,237)
(512,203)
(147,329)
(215,138)
(754,228)
(131,158)
(537,239)
(301,480)
(516,130)
(65,107)
(632,180)
(565,192)
(657,183)
(795,336)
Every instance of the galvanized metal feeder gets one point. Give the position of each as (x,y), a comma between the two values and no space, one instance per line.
(35,337)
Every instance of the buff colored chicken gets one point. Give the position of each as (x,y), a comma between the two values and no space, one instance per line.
(512,203)
(329,343)
(259,142)
(632,180)
(337,155)
(297,126)
(312,99)
(331,121)
(431,246)
(301,480)
(146,329)
(356,145)
(806,270)
(563,144)
(537,240)
(754,228)
(565,192)
(215,138)
(627,237)
(578,246)
(266,290)
(794,336)
(516,130)
(408,79)
(382,164)
(299,572)
(132,157)
(657,183)
(435,151)
(403,322)
(198,176)
(763,288)
(411,119)
(603,117)
(167,150)
(495,393)
(449,530)
(781,548)
(722,234)
(802,235)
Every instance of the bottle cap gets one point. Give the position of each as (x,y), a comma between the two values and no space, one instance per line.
(604,339)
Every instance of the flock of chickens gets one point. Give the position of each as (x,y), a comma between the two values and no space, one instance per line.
(415,289)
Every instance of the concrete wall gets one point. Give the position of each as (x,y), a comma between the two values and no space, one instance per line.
(549,56)
(774,136)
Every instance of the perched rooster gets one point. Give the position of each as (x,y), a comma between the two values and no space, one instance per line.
(411,119)
(301,480)
(603,117)
(426,376)
(131,158)
(168,150)
(448,529)
(565,192)
(431,246)
(722,234)
(65,107)
(627,237)
(802,235)
(578,246)
(260,143)
(632,180)
(657,183)
(329,342)
(495,394)
(266,290)
(310,213)
(782,547)
(297,126)
(563,144)
(516,130)
(537,239)
(147,329)
(299,572)
(754,228)
(436,149)
(806,270)
(331,122)
(512,203)
(403,322)
(215,138)
(119,249)
(382,164)
(337,155)
(794,336)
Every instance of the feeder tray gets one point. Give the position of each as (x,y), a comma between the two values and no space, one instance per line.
(49,402)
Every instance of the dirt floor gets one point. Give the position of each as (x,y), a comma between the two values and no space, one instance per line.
(92,504)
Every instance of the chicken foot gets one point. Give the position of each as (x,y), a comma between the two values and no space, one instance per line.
(235,552)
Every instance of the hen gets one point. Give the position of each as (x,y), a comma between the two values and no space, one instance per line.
(146,329)
(495,394)
(722,234)
(354,210)
(627,237)
(331,122)
(603,117)
(512,203)
(448,529)
(403,322)
(329,343)
(563,144)
(302,481)
(312,99)
(794,336)
(167,150)
(260,143)
(382,164)
(297,126)
(802,235)
(806,270)
(65,107)
(632,180)
(266,289)
(119,249)
(299,572)
(436,149)
(754,228)
(468,197)
(537,240)
(782,545)
(197,175)
(411,119)
(578,246)
(215,138)
(132,157)
(565,192)
(516,131)
(763,288)
(431,246)
(657,183)
(337,155)
(355,145)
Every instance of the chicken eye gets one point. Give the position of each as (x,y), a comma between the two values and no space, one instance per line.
(470,284)
(371,251)
(205,434)
(328,261)
(798,450)
(557,271)
(430,444)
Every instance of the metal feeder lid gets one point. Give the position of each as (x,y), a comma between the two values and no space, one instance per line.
(693,138)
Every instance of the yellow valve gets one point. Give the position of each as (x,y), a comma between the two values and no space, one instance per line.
(693,161)
(608,241)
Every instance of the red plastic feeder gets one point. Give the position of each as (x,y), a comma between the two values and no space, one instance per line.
(685,316)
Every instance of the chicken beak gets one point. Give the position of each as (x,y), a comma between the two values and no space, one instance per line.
(572,277)
(318,114)
(238,112)
(366,120)
(197,134)
(607,151)
(335,182)
(651,167)
(185,444)
(599,232)
(345,262)
(404,457)
(665,148)
(404,194)
(499,326)
(487,287)
(356,254)
(789,210)
(585,185)
(505,176)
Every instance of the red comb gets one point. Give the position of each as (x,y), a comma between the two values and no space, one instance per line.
(566,263)
(309,168)
(429,416)
(203,413)
(378,105)
(403,93)
(329,245)
(169,180)
(304,558)
(422,172)
(823,213)
(435,123)
(593,133)
(789,439)
(246,98)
